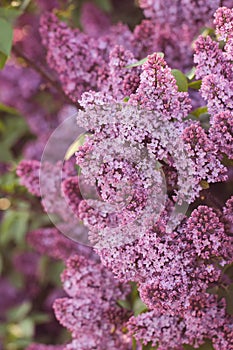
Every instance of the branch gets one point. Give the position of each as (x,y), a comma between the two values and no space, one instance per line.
(45,75)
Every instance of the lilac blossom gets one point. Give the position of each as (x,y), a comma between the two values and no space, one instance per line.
(221,132)
(206,318)
(35,346)
(227,217)
(122,81)
(94,21)
(224,28)
(214,65)
(158,90)
(204,153)
(83,66)
(91,312)
(51,242)
(28,171)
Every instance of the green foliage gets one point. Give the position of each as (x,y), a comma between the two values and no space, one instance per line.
(196,84)
(181,80)
(19,312)
(12,129)
(14,226)
(105,5)
(75,146)
(6,37)
(10,14)
(191,74)
(139,307)
(202,115)
(50,272)
(206,346)
(199,111)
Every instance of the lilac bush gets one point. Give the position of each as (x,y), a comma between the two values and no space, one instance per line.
(147,185)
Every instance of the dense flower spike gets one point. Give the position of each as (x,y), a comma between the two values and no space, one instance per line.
(221,132)
(206,233)
(178,12)
(228,216)
(218,92)
(210,59)
(204,154)
(224,28)
(206,318)
(122,80)
(91,312)
(28,171)
(83,66)
(214,65)
(71,191)
(158,90)
(94,21)
(51,242)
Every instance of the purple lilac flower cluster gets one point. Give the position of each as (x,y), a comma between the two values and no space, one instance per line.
(139,135)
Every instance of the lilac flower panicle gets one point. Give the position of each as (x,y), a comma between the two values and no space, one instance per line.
(94,21)
(35,346)
(224,28)
(123,82)
(28,171)
(51,242)
(227,217)
(206,318)
(210,59)
(91,312)
(207,234)
(204,154)
(71,191)
(158,90)
(221,132)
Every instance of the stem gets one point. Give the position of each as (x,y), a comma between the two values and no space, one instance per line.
(44,75)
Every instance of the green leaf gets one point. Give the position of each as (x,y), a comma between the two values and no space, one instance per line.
(227,293)
(7,109)
(6,37)
(191,74)
(160,54)
(14,226)
(134,344)
(181,80)
(200,110)
(27,327)
(18,313)
(138,63)
(124,304)
(3,59)
(75,146)
(105,5)
(15,128)
(5,154)
(10,14)
(206,346)
(139,307)
(207,32)
(196,85)
(40,318)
